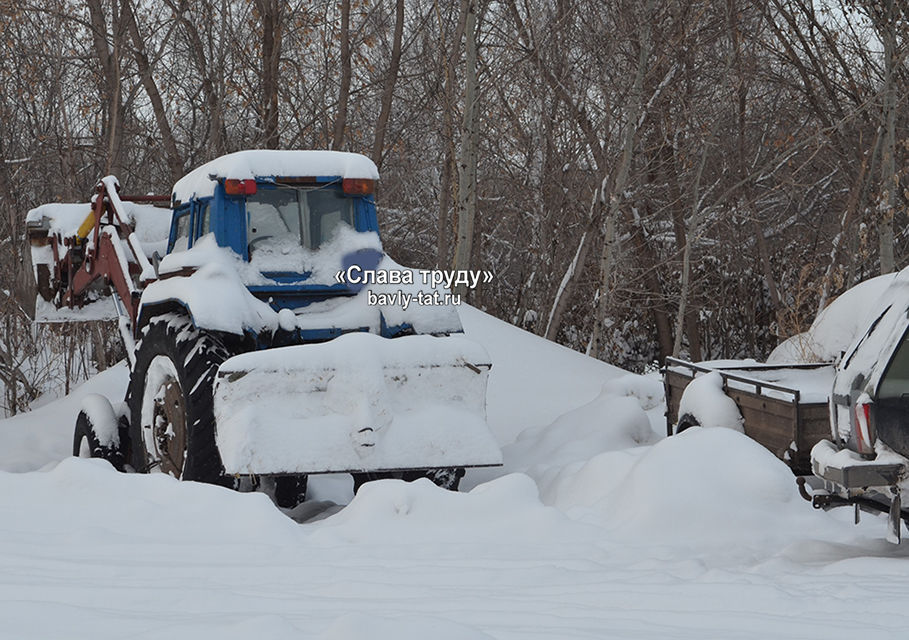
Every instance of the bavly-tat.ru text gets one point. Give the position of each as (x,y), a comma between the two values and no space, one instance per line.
(404,299)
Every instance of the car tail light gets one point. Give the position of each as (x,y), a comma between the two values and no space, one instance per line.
(240,187)
(358,186)
(863,440)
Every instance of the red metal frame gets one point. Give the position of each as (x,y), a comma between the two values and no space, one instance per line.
(99,258)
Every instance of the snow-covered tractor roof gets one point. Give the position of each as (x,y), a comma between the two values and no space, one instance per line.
(244,165)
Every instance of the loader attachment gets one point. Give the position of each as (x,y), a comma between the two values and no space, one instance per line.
(358,403)
(91,259)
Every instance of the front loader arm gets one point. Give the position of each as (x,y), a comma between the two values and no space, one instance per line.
(103,247)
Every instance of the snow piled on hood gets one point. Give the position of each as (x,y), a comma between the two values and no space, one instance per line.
(217,296)
(215,292)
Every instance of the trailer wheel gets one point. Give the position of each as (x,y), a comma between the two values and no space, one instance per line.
(172,402)
(686,422)
(86,443)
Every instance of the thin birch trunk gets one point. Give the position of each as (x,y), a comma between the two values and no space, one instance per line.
(467,157)
(889,178)
(344,90)
(391,78)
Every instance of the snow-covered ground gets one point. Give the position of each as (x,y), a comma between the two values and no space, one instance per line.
(596,527)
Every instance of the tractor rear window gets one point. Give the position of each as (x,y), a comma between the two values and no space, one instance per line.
(282,217)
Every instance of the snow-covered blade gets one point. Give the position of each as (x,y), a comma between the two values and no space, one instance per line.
(357,403)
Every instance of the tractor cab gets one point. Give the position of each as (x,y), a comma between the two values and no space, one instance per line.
(297,217)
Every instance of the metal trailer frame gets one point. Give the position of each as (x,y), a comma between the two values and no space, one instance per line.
(786,426)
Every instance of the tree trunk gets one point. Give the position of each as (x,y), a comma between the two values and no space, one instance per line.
(344,90)
(447,66)
(632,116)
(272,25)
(467,157)
(889,177)
(110,85)
(378,146)
(174,161)
(216,141)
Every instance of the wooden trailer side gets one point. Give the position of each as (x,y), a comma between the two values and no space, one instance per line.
(786,427)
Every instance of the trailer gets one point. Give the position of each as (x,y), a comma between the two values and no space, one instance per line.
(783,406)
(843,426)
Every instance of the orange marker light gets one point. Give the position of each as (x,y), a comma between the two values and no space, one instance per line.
(240,187)
(358,186)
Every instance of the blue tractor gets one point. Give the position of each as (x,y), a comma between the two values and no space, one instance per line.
(274,339)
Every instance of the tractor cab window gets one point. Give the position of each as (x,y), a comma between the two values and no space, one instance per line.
(283,217)
(204,215)
(181,236)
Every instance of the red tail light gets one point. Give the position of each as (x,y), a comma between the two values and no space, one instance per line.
(240,187)
(863,428)
(358,186)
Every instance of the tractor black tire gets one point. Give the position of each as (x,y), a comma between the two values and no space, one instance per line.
(359,479)
(449,478)
(290,491)
(686,421)
(86,443)
(178,397)
(446,478)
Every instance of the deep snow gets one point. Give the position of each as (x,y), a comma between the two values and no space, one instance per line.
(596,527)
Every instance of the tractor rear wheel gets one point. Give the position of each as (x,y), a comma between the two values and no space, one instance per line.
(172,402)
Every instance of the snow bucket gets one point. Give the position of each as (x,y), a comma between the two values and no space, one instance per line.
(357,403)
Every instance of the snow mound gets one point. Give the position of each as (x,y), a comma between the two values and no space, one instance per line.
(533,380)
(705,487)
(583,484)
(393,511)
(86,500)
(647,389)
(44,435)
(260,627)
(554,454)
(356,626)
(704,399)
(607,423)
(837,326)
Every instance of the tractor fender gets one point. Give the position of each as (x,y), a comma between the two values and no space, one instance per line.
(159,308)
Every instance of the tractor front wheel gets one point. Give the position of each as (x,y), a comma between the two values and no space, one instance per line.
(87,443)
(172,402)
